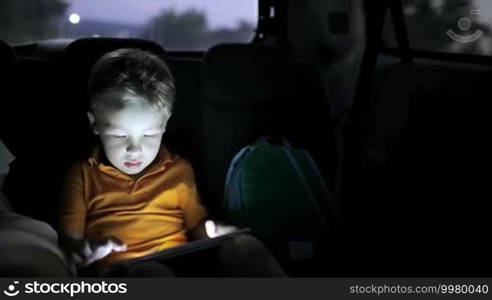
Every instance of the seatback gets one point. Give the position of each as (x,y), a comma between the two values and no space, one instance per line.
(251,91)
(32,130)
(424,154)
(428,115)
(184,133)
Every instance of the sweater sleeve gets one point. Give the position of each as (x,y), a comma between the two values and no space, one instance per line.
(193,211)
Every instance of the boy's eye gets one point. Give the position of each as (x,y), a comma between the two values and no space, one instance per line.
(150,135)
(119,136)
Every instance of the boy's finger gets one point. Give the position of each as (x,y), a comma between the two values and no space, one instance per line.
(210,228)
(100,252)
(116,241)
(226,229)
(117,246)
(230,229)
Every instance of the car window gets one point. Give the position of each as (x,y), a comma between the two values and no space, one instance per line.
(455,26)
(186,25)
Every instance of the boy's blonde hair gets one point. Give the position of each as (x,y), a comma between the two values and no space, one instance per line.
(135,73)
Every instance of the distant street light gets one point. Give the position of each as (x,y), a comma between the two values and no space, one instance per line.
(74,18)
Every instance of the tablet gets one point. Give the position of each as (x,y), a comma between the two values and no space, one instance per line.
(190,247)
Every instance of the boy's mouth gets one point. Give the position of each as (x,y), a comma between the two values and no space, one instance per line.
(132,164)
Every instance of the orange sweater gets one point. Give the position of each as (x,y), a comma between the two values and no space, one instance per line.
(148,214)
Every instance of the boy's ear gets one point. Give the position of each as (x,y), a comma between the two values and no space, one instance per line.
(166,119)
(92,121)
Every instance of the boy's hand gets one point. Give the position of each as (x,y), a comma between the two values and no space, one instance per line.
(91,251)
(214,230)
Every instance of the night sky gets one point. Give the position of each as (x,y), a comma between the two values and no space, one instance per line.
(221,13)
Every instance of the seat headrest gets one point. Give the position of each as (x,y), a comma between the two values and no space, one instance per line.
(93,48)
(81,54)
(51,49)
(245,73)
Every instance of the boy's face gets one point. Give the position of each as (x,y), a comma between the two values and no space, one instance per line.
(130,135)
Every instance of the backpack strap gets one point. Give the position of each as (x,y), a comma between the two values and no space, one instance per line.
(333,207)
(231,199)
(314,202)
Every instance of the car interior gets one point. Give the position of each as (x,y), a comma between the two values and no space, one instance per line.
(397,131)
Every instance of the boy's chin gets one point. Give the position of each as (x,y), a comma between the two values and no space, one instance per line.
(131,171)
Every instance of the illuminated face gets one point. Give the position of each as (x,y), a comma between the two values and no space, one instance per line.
(130,135)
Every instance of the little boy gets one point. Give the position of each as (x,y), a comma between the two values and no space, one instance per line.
(133,197)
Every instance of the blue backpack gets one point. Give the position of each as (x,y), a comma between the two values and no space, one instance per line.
(278,192)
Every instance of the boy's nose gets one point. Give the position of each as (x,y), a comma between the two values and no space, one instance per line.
(134,148)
